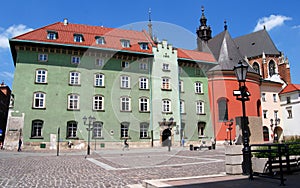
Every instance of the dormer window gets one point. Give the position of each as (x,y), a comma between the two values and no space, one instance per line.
(78,37)
(144,46)
(125,43)
(52,35)
(100,40)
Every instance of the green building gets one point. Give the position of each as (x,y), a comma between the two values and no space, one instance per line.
(136,88)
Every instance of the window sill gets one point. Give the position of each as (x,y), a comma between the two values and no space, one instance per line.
(144,89)
(41,83)
(167,112)
(73,138)
(203,114)
(73,109)
(199,93)
(98,110)
(125,111)
(125,88)
(144,111)
(99,86)
(78,85)
(144,137)
(166,89)
(166,70)
(98,138)
(36,108)
(36,137)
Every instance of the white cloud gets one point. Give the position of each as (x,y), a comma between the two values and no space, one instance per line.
(10,32)
(271,22)
(7,75)
(296,27)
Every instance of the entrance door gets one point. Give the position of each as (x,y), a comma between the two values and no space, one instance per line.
(165,137)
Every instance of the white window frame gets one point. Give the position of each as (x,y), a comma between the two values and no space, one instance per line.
(165,83)
(124,130)
(263,97)
(182,106)
(166,106)
(74,78)
(75,60)
(97,129)
(144,104)
(73,102)
(125,104)
(198,87)
(144,66)
(200,107)
(72,127)
(125,81)
(144,46)
(100,40)
(39,100)
(265,114)
(99,79)
(125,43)
(99,62)
(165,66)
(98,102)
(78,38)
(41,76)
(143,83)
(144,127)
(52,35)
(43,57)
(37,128)
(181,88)
(125,64)
(274,97)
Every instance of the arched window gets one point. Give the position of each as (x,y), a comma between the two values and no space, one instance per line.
(124,130)
(256,67)
(97,129)
(271,68)
(72,129)
(266,133)
(223,109)
(36,129)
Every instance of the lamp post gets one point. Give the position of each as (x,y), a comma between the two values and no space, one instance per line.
(277,122)
(229,124)
(90,122)
(243,95)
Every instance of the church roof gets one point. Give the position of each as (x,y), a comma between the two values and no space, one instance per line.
(254,44)
(226,52)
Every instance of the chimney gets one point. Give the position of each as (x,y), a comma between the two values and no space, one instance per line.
(65,21)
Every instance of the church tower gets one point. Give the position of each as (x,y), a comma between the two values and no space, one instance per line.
(203,33)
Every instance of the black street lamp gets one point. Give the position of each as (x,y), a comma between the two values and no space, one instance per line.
(243,95)
(90,122)
(229,124)
(275,133)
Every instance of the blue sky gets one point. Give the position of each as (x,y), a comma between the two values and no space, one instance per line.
(173,20)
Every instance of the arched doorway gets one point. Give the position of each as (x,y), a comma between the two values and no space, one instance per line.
(165,137)
(277,134)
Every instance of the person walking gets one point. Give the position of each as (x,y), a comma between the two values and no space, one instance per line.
(126,145)
(20,144)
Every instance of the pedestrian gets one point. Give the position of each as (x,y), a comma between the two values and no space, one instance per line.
(1,146)
(20,144)
(126,145)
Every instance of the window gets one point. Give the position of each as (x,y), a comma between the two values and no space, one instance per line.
(256,67)
(124,130)
(125,43)
(263,97)
(144,130)
(271,68)
(73,102)
(75,60)
(200,107)
(290,113)
(201,128)
(144,46)
(166,106)
(143,66)
(52,35)
(165,67)
(144,104)
(98,102)
(36,129)
(275,97)
(43,57)
(166,83)
(99,80)
(181,86)
(125,104)
(100,40)
(179,70)
(39,100)
(41,76)
(265,114)
(97,129)
(288,100)
(182,107)
(125,82)
(223,109)
(99,62)
(78,37)
(74,78)
(266,133)
(71,129)
(125,64)
(198,72)
(198,87)
(143,83)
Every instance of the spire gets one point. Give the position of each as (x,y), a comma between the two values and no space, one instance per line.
(150,24)
(225,25)
(203,32)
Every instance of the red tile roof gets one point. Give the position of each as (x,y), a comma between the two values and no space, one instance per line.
(111,36)
(290,88)
(195,55)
